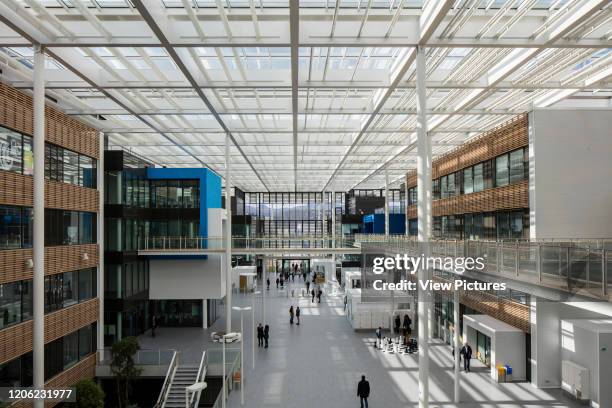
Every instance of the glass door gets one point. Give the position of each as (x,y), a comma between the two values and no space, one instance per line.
(483,348)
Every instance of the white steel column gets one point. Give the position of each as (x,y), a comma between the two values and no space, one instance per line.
(386,201)
(456,343)
(264,275)
(100,177)
(424,215)
(242,357)
(228,237)
(406,221)
(38,247)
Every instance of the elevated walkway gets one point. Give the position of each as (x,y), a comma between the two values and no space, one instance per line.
(290,246)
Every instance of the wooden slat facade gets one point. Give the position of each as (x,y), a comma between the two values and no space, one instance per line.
(58,259)
(86,368)
(17,112)
(502,139)
(17,340)
(18,190)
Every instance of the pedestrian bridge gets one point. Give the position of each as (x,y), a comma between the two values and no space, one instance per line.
(194,246)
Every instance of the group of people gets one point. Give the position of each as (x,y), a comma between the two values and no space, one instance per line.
(294,314)
(405,326)
(316,292)
(263,334)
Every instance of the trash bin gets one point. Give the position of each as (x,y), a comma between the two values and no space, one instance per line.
(508,373)
(501,374)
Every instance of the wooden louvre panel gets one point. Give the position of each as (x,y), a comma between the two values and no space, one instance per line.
(512,313)
(18,189)
(58,259)
(70,197)
(492,199)
(17,340)
(515,314)
(504,138)
(16,112)
(86,368)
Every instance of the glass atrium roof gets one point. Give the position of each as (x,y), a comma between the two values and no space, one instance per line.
(315,94)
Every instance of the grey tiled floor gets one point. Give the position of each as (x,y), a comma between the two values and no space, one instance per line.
(318,365)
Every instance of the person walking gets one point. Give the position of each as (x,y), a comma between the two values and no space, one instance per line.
(307,287)
(266,335)
(291,315)
(398,322)
(319,294)
(153,325)
(312,292)
(378,337)
(466,352)
(282,282)
(268,282)
(363,391)
(406,324)
(277,280)
(297,314)
(260,335)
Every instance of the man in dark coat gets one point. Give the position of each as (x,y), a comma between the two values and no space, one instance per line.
(466,352)
(363,391)
(260,335)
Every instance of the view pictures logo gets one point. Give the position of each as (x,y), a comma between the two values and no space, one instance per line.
(414,263)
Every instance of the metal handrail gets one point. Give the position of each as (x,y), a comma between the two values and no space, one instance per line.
(161,399)
(200,377)
(575,267)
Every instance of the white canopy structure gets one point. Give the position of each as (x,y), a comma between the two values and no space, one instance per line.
(315,95)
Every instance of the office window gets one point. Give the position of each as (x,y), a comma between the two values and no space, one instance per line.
(443,187)
(174,194)
(53,293)
(26,300)
(86,339)
(70,349)
(517,170)
(71,167)
(54,358)
(451,185)
(28,156)
(87,172)
(10,373)
(70,288)
(10,227)
(468,184)
(54,162)
(436,189)
(70,228)
(87,284)
(191,194)
(11,151)
(10,304)
(501,171)
(478,178)
(87,228)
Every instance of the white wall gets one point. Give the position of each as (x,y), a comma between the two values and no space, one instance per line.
(580,346)
(605,368)
(546,351)
(570,194)
(187,278)
(545,343)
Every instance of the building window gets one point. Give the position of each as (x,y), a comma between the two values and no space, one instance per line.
(11,151)
(70,349)
(478,178)
(11,227)
(468,184)
(53,292)
(501,171)
(10,304)
(63,227)
(69,167)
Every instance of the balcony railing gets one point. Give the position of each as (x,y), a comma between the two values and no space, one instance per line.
(174,243)
(577,266)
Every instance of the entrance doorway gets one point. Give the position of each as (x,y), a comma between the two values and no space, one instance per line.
(483,348)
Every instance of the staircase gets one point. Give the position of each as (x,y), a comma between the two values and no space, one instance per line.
(184,376)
